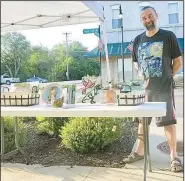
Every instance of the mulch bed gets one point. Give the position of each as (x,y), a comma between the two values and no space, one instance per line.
(49,151)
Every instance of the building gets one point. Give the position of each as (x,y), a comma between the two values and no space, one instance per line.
(170,18)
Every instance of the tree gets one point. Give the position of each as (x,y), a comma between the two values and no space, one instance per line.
(78,65)
(77,50)
(21,59)
(39,63)
(15,50)
(58,56)
(92,67)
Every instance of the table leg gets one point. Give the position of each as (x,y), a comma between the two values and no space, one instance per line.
(2,136)
(3,154)
(16,133)
(18,149)
(145,148)
(17,141)
(148,146)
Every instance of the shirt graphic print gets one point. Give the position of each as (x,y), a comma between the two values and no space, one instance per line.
(150,59)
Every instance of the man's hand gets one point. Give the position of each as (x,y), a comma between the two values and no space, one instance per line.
(177,63)
(136,66)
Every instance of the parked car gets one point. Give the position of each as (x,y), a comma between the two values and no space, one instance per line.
(37,79)
(5,79)
(179,79)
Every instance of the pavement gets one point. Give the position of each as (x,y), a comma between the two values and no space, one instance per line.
(131,172)
(18,172)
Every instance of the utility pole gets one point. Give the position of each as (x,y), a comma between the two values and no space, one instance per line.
(67,49)
(122,47)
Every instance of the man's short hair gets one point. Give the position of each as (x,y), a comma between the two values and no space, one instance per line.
(147,7)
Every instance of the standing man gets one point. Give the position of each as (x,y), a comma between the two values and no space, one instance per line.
(157,55)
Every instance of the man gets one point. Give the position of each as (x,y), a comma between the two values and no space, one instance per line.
(157,56)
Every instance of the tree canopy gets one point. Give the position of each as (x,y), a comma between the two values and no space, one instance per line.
(20,59)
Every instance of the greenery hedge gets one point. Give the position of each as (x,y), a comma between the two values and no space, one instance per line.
(9,129)
(49,125)
(85,135)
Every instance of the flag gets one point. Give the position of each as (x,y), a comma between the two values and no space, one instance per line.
(130,46)
(100,45)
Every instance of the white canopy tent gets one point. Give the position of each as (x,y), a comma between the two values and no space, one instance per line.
(26,15)
(22,15)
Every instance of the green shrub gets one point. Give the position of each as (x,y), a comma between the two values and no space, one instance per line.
(9,129)
(90,134)
(49,125)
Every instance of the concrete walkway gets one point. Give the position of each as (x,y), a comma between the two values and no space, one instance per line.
(157,136)
(131,172)
(20,172)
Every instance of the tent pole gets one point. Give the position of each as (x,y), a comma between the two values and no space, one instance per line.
(100,57)
(106,54)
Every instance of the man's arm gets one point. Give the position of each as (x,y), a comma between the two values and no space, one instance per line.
(134,54)
(176,54)
(177,63)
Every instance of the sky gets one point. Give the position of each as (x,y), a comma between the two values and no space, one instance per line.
(50,36)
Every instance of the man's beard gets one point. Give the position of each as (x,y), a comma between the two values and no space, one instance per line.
(150,26)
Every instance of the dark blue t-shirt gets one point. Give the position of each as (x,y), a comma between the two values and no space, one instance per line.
(155,58)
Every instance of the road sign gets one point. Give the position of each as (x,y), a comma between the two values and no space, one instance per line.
(88,31)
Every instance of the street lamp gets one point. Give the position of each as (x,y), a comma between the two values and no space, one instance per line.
(122,48)
(120,12)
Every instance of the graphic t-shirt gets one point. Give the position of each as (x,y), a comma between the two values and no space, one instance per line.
(155,58)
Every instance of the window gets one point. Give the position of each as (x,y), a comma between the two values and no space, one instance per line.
(173,15)
(116,21)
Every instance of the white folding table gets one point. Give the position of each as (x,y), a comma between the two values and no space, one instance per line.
(148,109)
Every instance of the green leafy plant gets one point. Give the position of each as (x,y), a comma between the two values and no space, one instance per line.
(9,136)
(49,125)
(90,134)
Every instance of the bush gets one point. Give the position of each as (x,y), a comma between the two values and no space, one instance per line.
(90,134)
(9,138)
(49,126)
